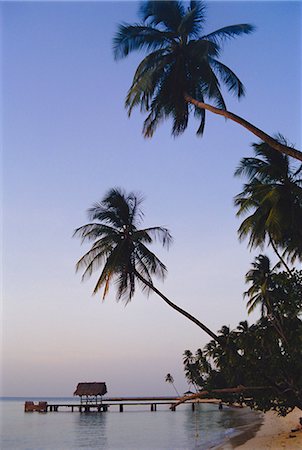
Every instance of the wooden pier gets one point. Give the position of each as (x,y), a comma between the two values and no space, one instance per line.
(103,406)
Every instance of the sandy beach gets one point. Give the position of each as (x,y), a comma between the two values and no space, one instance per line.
(275,433)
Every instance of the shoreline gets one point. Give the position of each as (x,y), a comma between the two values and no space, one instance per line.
(273,434)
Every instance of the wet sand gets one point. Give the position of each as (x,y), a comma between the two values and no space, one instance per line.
(274,434)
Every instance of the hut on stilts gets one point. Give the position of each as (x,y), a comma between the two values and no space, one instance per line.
(91,393)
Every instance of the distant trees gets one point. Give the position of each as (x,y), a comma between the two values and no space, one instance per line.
(182,69)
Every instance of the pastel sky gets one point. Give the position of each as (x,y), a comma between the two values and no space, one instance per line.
(67,140)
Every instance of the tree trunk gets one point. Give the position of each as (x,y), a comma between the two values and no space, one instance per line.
(212,392)
(256,131)
(178,309)
(279,256)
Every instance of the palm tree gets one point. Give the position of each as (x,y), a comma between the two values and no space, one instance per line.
(273,194)
(182,70)
(260,277)
(188,357)
(261,291)
(203,363)
(225,354)
(170,379)
(119,247)
(190,368)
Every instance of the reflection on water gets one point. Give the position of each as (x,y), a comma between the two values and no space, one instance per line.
(134,429)
(90,430)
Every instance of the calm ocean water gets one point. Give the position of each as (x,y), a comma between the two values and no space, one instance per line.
(137,428)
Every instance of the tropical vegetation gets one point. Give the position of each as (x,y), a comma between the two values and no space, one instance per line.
(182,70)
(258,364)
(261,364)
(267,364)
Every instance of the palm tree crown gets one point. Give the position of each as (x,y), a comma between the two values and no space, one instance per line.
(119,245)
(273,195)
(181,61)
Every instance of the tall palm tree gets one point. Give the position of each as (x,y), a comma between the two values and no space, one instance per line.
(190,368)
(225,353)
(261,291)
(260,277)
(169,379)
(182,70)
(273,195)
(188,357)
(120,249)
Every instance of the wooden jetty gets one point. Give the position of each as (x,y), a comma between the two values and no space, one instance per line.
(92,400)
(103,406)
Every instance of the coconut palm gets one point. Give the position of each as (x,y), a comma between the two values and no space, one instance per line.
(261,291)
(119,248)
(188,357)
(260,277)
(170,379)
(204,365)
(273,195)
(225,353)
(182,69)
(190,368)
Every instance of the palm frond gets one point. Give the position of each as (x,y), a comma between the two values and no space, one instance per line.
(111,267)
(228,77)
(159,234)
(137,37)
(166,13)
(229,32)
(152,263)
(193,20)
(201,114)
(92,261)
(147,82)
(91,231)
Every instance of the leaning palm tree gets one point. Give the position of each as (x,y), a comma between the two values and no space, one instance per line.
(119,248)
(272,201)
(182,70)
(169,379)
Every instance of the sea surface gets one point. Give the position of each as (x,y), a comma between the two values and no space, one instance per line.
(137,428)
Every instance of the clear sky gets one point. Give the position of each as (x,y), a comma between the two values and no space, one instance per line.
(67,140)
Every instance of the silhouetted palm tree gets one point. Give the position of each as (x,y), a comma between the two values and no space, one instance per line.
(261,291)
(182,70)
(273,195)
(260,277)
(188,357)
(120,249)
(170,379)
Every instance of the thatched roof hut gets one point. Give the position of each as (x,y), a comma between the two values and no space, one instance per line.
(90,391)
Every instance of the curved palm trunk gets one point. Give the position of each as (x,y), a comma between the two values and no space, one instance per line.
(209,393)
(177,308)
(256,131)
(279,256)
(175,389)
